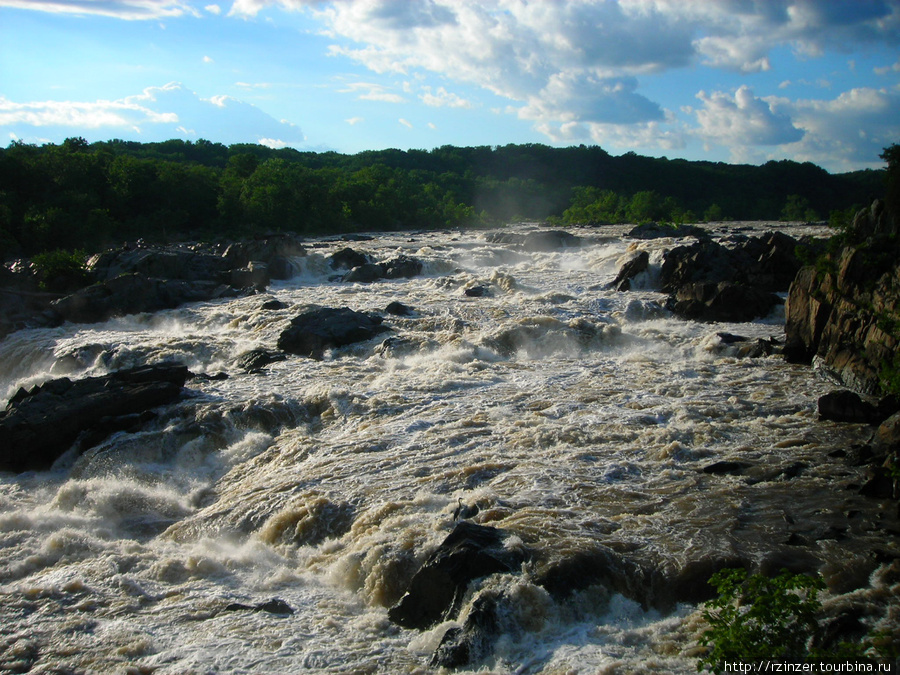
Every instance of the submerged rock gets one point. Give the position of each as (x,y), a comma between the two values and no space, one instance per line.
(436,591)
(317,330)
(257,359)
(41,424)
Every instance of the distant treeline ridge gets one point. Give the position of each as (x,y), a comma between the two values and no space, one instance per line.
(85,196)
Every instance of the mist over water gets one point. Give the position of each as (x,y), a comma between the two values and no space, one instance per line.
(579,420)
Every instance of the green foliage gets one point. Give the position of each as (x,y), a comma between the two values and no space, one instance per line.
(758,618)
(77,195)
(59,271)
(889,376)
(798,208)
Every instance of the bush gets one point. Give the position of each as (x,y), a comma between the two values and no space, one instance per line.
(760,618)
(60,271)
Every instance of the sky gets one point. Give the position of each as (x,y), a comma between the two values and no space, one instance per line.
(739,81)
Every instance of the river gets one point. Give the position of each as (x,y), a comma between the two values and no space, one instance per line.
(578,420)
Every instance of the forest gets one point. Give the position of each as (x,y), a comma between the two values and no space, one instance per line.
(87,196)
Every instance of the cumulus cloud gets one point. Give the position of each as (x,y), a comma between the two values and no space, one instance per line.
(156,114)
(743,119)
(443,98)
(119,9)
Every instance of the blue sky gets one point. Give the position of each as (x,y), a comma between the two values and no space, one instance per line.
(724,80)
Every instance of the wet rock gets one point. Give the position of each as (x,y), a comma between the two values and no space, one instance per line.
(637,264)
(711,282)
(886,440)
(272,305)
(600,565)
(257,359)
(399,309)
(659,231)
(133,294)
(847,406)
(477,292)
(723,301)
(319,329)
(274,250)
(347,258)
(255,275)
(549,240)
(161,263)
(401,267)
(273,606)
(41,424)
(436,591)
(461,646)
(843,313)
(726,467)
(364,274)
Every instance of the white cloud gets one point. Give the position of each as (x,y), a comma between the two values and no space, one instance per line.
(368,91)
(743,119)
(213,9)
(895,68)
(443,98)
(158,113)
(207,59)
(119,9)
(405,123)
(354,120)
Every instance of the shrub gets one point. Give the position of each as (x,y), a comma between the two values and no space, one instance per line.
(60,271)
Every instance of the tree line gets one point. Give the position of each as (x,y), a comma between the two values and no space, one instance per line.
(80,195)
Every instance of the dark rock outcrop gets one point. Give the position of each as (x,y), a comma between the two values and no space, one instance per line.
(629,270)
(41,424)
(161,263)
(401,267)
(135,293)
(659,231)
(257,359)
(712,282)
(399,309)
(847,406)
(844,314)
(436,591)
(321,328)
(550,240)
(347,258)
(274,250)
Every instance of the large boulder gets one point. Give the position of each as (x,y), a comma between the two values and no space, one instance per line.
(135,293)
(436,591)
(723,301)
(550,240)
(703,279)
(635,265)
(160,263)
(275,250)
(347,258)
(41,424)
(321,328)
(401,267)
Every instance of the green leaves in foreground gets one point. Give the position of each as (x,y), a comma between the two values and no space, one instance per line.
(759,618)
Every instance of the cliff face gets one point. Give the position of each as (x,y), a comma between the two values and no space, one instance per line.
(843,313)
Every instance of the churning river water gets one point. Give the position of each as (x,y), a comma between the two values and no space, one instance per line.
(577,419)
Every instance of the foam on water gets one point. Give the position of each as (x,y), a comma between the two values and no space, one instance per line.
(576,419)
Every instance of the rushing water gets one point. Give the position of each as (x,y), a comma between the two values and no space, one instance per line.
(578,419)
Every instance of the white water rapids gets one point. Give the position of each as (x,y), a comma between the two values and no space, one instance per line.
(578,419)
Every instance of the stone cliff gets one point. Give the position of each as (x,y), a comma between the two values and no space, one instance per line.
(842,313)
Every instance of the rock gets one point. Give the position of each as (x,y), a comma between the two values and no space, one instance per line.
(41,424)
(274,250)
(709,281)
(475,639)
(726,466)
(401,267)
(273,606)
(658,231)
(844,315)
(886,440)
(629,270)
(273,304)
(161,263)
(599,565)
(347,259)
(477,292)
(132,294)
(255,275)
(319,329)
(847,406)
(436,591)
(257,359)
(723,301)
(399,309)
(549,240)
